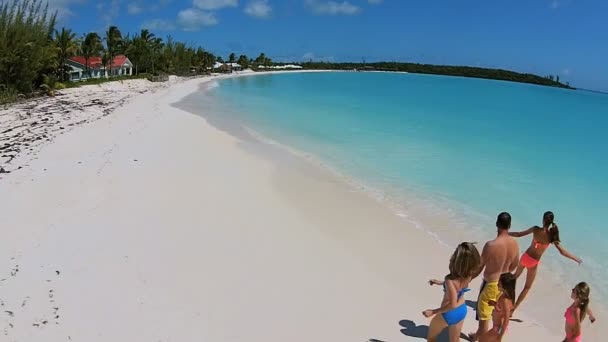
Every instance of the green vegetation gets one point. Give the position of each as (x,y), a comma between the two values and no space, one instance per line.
(33,52)
(66,46)
(91,46)
(243,61)
(465,71)
(27,51)
(50,85)
(114,42)
(33,55)
(263,60)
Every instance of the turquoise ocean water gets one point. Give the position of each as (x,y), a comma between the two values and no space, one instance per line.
(458,149)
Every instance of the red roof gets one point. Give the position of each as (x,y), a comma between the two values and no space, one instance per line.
(95,62)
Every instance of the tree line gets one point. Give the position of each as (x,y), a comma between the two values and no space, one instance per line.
(465,71)
(34,53)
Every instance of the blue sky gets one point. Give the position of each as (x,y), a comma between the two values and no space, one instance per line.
(563,37)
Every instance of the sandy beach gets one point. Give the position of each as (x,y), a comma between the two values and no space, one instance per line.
(143,222)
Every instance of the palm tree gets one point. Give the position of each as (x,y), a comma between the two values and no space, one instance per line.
(134,51)
(113,43)
(104,61)
(168,55)
(147,41)
(262,60)
(231,60)
(125,44)
(243,61)
(206,59)
(90,47)
(66,46)
(156,46)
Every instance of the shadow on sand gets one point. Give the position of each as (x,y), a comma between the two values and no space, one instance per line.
(420,331)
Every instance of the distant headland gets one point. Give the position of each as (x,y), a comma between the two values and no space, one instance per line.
(448,70)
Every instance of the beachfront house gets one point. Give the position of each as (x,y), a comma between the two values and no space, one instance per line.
(226,67)
(234,66)
(121,66)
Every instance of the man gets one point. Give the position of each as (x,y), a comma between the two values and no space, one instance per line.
(499,256)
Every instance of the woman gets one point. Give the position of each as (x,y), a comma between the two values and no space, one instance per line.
(463,264)
(542,238)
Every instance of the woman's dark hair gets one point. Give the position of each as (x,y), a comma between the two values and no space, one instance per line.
(548,222)
(582,293)
(507,281)
(465,261)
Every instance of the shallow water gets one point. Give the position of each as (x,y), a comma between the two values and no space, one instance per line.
(445,149)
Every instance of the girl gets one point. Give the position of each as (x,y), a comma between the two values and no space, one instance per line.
(542,238)
(463,265)
(575,314)
(502,309)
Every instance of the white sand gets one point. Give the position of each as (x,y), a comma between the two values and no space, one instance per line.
(163,228)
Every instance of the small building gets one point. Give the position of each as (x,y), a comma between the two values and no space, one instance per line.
(217,66)
(121,66)
(234,66)
(226,67)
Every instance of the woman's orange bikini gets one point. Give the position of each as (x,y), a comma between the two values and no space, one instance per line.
(527,261)
(530,259)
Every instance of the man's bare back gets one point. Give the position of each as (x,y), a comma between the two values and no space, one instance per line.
(500,255)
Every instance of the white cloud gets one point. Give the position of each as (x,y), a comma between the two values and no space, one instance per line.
(375,2)
(193,20)
(258,9)
(108,13)
(62,7)
(158,25)
(214,4)
(332,7)
(134,8)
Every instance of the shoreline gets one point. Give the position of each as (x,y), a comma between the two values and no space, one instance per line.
(274,151)
(271,150)
(303,247)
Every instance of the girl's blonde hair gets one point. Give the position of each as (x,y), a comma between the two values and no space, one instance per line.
(465,261)
(583,291)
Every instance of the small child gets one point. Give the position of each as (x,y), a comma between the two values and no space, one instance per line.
(575,314)
(463,264)
(502,309)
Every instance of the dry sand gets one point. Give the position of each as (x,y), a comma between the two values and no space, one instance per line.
(151,225)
